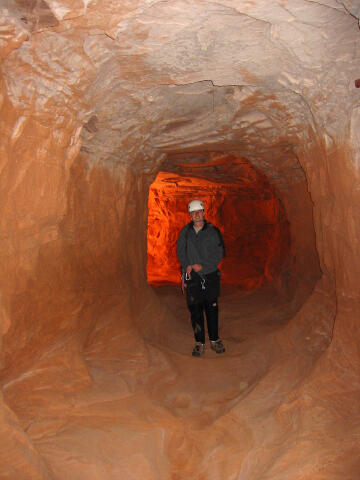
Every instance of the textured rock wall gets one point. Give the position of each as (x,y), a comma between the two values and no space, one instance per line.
(323,403)
(32,203)
(68,244)
(130,86)
(336,175)
(245,208)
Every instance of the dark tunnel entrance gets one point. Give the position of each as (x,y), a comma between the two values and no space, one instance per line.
(240,201)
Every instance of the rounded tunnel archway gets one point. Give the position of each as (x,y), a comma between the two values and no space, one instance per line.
(96,99)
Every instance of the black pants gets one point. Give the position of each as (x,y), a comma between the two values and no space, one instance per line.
(197,319)
(202,293)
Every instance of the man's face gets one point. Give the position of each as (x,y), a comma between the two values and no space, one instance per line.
(197,215)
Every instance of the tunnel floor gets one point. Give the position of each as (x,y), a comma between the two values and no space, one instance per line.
(149,403)
(243,317)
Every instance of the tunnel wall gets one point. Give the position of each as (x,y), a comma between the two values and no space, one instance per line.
(41,226)
(72,240)
(333,182)
(327,322)
(32,203)
(303,269)
(62,218)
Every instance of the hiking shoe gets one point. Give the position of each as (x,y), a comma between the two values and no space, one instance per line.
(217,346)
(198,350)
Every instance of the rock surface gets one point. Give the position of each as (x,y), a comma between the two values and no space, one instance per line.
(257,245)
(96,99)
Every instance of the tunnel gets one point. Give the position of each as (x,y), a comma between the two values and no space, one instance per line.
(114,115)
(251,219)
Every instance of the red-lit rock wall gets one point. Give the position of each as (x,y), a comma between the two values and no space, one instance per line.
(247,211)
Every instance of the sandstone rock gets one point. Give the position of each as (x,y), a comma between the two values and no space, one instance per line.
(254,106)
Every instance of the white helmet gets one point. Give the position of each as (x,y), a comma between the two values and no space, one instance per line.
(195,205)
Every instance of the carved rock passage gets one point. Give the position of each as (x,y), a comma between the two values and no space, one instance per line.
(96,99)
(243,205)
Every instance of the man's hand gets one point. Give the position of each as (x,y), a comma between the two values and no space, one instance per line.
(197,267)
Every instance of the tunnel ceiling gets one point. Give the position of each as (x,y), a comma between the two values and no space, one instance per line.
(145,79)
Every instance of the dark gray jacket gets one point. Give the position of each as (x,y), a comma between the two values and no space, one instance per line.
(204,247)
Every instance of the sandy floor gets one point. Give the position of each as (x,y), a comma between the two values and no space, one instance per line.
(149,410)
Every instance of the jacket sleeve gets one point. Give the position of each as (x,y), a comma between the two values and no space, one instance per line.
(215,253)
(181,249)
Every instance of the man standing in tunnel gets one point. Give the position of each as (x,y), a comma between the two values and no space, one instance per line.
(200,248)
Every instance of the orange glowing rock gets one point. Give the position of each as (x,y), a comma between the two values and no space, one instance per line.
(244,207)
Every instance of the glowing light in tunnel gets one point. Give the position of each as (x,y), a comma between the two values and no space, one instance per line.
(240,202)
